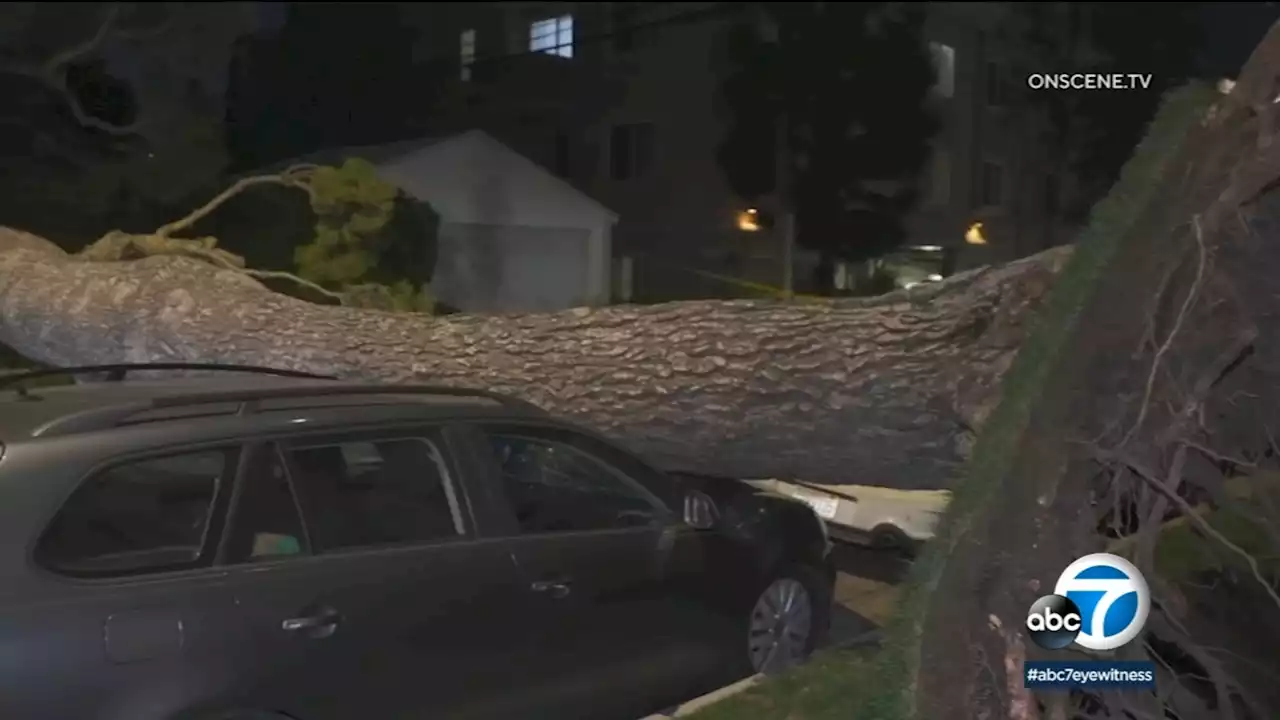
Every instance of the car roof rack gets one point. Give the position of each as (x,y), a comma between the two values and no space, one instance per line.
(249,401)
(117,372)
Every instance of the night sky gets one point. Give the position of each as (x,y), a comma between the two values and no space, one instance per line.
(1232,30)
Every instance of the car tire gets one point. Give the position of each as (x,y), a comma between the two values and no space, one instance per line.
(888,537)
(804,584)
(891,538)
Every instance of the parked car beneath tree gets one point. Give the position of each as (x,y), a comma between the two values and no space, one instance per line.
(255,545)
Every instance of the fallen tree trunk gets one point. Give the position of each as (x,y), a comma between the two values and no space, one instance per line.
(873,391)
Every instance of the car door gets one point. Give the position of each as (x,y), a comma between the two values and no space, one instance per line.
(363,585)
(112,628)
(610,566)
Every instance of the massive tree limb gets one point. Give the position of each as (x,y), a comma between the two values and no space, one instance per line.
(879,391)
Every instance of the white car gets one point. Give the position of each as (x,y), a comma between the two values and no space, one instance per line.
(868,515)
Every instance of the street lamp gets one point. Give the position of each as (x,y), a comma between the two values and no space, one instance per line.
(752,220)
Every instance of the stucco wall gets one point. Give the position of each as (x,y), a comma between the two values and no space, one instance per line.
(508,222)
(504,268)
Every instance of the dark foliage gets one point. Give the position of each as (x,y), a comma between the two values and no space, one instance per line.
(852,81)
(1093,132)
(359,84)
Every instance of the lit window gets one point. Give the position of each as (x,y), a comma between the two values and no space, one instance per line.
(944,68)
(467,50)
(553,36)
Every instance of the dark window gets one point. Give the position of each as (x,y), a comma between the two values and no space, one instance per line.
(1051,192)
(563,158)
(624,21)
(997,86)
(142,516)
(642,148)
(555,487)
(992,187)
(620,152)
(631,151)
(266,521)
(370,493)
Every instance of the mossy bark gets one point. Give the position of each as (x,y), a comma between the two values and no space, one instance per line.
(1151,343)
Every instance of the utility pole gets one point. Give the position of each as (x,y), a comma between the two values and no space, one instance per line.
(785,226)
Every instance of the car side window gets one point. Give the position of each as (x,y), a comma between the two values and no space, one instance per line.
(370,493)
(555,487)
(147,515)
(266,518)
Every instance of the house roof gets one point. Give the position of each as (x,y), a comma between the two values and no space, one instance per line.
(388,152)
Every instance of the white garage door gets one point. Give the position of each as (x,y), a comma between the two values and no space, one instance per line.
(501,268)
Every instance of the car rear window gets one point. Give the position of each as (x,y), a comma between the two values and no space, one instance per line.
(139,516)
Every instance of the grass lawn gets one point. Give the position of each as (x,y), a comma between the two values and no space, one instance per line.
(821,689)
(825,685)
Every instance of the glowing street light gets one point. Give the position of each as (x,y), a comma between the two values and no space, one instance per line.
(749,220)
(974,236)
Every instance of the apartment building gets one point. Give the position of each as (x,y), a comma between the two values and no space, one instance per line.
(621,98)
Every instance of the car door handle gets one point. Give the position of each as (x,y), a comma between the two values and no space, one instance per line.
(554,588)
(322,624)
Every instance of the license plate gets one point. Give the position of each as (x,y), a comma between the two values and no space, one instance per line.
(825,507)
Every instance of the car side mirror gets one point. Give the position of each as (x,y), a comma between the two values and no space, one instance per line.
(700,510)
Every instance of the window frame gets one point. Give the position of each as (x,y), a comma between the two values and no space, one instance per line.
(249,454)
(560,24)
(215,524)
(467,39)
(943,58)
(435,434)
(635,168)
(663,499)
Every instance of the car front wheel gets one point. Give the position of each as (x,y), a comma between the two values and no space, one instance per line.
(787,621)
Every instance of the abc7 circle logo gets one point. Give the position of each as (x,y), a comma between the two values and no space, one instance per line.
(1117,602)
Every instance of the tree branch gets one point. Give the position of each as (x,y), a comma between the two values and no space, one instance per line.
(53,70)
(294,177)
(1153,481)
(52,73)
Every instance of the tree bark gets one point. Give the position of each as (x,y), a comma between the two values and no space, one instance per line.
(1159,397)
(880,391)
